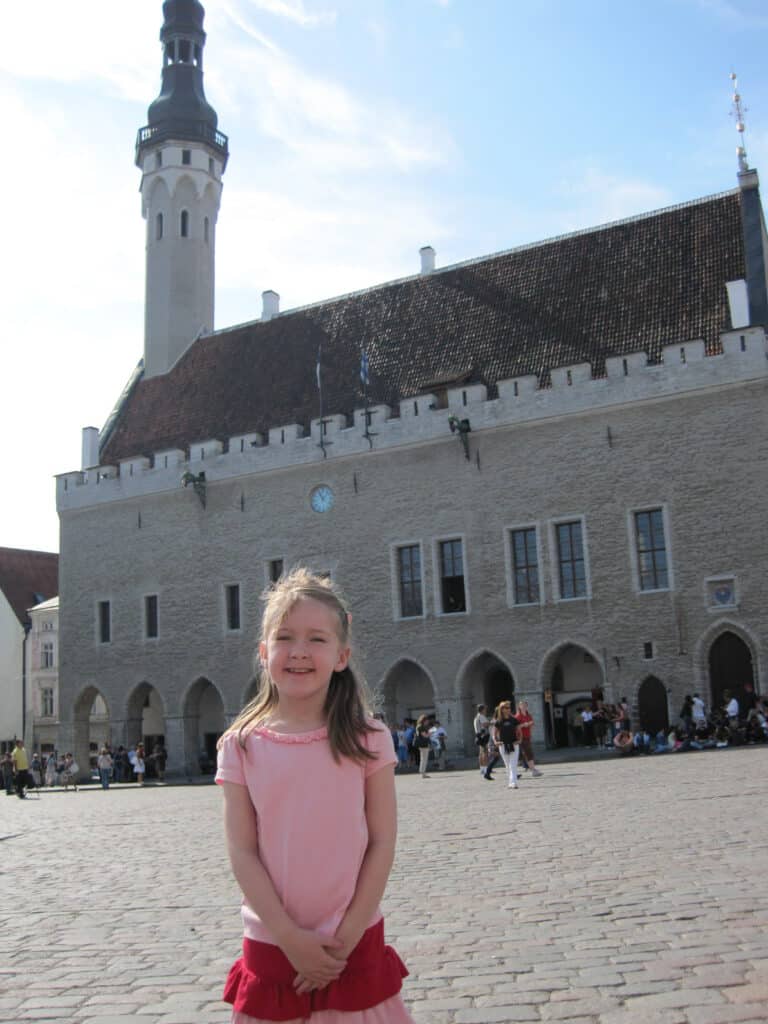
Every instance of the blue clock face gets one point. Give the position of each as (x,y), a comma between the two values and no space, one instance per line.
(322,499)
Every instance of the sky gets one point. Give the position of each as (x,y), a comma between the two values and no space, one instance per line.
(359,131)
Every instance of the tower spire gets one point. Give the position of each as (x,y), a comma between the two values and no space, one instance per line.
(182,156)
(737,113)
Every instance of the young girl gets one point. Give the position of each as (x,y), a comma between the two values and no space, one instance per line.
(310,822)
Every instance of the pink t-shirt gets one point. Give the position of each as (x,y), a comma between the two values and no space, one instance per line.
(310,814)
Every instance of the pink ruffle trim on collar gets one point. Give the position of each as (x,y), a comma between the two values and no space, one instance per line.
(291,737)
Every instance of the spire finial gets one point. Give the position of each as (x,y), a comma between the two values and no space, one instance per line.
(738,113)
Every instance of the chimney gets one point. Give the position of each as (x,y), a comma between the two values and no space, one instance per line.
(270,304)
(427,254)
(90,447)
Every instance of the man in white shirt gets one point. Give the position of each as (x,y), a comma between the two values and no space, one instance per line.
(699,714)
(732,710)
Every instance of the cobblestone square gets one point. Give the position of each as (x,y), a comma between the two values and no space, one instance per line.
(608,892)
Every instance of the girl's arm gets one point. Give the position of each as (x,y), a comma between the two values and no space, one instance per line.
(307,951)
(381,817)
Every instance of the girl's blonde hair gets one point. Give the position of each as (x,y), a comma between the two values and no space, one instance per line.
(347,703)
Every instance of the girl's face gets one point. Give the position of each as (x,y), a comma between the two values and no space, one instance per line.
(304,651)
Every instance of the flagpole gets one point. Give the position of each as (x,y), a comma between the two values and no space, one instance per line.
(364,378)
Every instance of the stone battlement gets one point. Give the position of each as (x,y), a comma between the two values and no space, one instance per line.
(425,418)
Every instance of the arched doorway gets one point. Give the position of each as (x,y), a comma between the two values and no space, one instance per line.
(204,722)
(250,691)
(407,692)
(731,667)
(145,722)
(485,679)
(652,706)
(92,729)
(570,674)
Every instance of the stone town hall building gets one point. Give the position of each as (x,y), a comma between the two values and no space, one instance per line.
(554,479)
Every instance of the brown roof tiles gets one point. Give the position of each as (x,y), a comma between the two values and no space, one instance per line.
(626,287)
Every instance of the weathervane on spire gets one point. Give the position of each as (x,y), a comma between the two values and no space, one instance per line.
(738,113)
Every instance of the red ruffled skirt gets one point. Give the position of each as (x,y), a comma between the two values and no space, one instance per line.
(260,982)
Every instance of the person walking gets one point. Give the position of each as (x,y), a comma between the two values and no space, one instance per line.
(6,764)
(50,769)
(69,771)
(139,764)
(526,722)
(104,764)
(423,745)
(21,776)
(481,725)
(159,758)
(506,729)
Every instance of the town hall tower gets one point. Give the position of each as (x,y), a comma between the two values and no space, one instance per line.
(182,156)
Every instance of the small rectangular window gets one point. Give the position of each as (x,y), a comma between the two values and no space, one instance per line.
(652,566)
(409,581)
(525,566)
(570,557)
(158,158)
(186,156)
(46,655)
(105,622)
(211,166)
(452,592)
(232,595)
(150,616)
(46,702)
(275,570)
(648,650)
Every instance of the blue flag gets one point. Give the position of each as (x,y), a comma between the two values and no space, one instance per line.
(364,367)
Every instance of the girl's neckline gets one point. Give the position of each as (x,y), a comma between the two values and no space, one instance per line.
(292,737)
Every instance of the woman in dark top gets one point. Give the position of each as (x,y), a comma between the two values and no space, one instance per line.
(506,730)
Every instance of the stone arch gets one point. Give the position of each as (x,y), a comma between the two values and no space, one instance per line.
(406,691)
(204,720)
(145,721)
(653,706)
(92,728)
(703,659)
(483,678)
(569,673)
(159,192)
(250,691)
(185,191)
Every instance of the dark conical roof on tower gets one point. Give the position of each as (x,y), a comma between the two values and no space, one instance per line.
(181,111)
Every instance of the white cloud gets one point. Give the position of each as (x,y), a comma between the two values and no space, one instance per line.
(597,198)
(740,14)
(293,10)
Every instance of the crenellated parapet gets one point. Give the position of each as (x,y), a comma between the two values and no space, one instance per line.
(428,418)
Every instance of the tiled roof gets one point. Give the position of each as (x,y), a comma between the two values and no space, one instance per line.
(27,578)
(625,287)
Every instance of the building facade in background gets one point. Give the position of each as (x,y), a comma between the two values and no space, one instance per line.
(26,579)
(537,473)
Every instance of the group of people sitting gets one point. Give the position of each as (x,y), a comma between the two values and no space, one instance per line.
(729,724)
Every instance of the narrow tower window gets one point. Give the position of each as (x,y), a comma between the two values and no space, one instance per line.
(184,224)
(159,226)
(184,51)
(186,156)
(205,230)
(159,158)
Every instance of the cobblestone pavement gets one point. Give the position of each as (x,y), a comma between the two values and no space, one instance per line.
(603,893)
